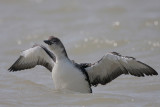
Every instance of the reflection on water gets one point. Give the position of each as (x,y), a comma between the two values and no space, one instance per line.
(88,29)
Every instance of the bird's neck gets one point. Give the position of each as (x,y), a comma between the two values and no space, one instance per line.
(61,54)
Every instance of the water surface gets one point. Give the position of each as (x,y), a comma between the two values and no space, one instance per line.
(88,29)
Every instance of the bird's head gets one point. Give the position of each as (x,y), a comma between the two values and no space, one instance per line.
(56,45)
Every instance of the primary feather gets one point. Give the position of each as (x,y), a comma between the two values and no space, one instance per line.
(37,55)
(113,65)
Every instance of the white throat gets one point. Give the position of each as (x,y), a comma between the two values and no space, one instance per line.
(60,53)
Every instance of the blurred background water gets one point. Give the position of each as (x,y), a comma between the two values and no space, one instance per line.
(88,29)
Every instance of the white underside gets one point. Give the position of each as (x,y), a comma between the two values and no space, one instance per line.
(66,76)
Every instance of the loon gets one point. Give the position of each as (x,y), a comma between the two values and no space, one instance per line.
(67,74)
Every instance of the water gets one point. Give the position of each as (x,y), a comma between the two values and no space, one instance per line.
(89,29)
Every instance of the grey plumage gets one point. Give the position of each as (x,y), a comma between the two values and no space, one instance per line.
(113,65)
(32,57)
(109,67)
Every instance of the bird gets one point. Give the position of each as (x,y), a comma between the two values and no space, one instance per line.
(79,77)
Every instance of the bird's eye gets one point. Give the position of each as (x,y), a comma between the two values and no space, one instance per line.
(54,42)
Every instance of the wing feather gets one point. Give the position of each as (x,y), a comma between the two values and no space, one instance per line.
(37,55)
(113,65)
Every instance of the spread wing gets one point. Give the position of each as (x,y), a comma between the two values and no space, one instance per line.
(37,55)
(113,65)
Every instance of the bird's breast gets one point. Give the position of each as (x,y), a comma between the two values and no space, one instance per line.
(66,76)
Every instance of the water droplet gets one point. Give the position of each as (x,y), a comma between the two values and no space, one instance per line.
(115,44)
(132,100)
(116,24)
(86,39)
(156,23)
(19,42)
(156,44)
(133,49)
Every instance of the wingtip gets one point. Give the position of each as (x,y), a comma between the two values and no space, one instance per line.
(151,71)
(12,69)
(155,73)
